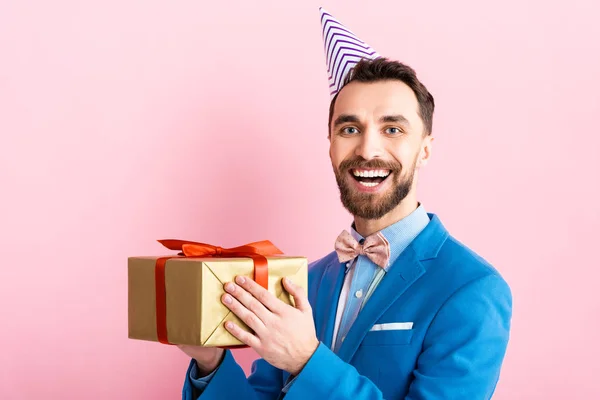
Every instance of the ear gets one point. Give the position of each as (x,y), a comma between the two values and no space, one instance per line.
(425,152)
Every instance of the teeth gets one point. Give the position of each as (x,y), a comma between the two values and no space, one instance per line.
(372,173)
(369,184)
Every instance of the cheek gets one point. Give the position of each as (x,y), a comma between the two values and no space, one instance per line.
(406,167)
(339,151)
(405,154)
(401,159)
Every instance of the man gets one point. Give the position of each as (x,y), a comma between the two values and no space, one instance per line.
(400,309)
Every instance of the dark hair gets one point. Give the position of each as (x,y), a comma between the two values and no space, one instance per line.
(380,69)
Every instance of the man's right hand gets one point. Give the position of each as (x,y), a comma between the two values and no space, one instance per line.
(207,358)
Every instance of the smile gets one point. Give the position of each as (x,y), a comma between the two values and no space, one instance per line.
(370,177)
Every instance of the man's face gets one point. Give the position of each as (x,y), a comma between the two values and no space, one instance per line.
(376,146)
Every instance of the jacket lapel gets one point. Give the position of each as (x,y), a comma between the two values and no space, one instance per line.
(403,273)
(406,270)
(327,300)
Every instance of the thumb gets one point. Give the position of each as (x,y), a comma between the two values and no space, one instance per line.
(299,294)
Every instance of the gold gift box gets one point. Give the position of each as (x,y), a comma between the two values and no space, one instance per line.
(194,287)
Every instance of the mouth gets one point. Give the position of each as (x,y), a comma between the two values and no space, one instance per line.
(370,178)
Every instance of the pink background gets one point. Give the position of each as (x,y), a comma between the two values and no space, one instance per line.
(123,122)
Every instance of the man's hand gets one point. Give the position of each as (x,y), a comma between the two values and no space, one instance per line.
(207,358)
(284,336)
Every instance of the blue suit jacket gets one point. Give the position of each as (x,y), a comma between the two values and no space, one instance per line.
(460,308)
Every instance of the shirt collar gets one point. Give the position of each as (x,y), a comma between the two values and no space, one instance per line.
(401,233)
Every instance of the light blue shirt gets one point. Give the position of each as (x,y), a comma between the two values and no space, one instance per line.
(367,276)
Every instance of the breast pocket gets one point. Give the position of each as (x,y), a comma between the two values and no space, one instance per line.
(397,337)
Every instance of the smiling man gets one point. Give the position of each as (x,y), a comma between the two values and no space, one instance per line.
(399,309)
(378,140)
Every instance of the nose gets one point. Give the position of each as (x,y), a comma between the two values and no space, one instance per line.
(370,146)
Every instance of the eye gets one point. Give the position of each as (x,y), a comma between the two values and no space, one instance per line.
(393,131)
(350,130)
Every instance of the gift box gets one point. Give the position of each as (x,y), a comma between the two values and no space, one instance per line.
(176,299)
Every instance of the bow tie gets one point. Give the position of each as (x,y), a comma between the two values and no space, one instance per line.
(375,247)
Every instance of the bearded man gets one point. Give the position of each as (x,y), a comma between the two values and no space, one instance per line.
(400,309)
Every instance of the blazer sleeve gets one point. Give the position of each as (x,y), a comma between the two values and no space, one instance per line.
(230,382)
(462,353)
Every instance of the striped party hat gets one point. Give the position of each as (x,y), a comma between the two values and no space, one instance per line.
(343,50)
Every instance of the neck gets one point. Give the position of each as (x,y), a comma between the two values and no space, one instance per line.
(366,227)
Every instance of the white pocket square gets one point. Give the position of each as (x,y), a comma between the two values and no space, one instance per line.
(393,326)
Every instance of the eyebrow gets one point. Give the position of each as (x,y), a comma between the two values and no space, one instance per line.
(400,119)
(344,118)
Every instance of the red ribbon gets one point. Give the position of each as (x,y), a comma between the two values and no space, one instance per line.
(257,251)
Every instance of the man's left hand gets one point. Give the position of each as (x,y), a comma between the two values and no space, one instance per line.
(284,336)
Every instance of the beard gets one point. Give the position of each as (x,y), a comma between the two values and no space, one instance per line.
(373,205)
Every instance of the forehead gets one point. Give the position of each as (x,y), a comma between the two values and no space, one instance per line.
(370,101)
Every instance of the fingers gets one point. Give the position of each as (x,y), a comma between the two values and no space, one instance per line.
(299,294)
(249,301)
(266,298)
(243,336)
(243,311)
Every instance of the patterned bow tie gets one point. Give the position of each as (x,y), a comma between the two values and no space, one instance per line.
(375,247)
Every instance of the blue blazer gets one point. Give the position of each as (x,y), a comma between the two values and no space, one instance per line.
(460,308)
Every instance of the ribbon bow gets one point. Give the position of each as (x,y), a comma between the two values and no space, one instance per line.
(196,249)
(258,251)
(375,247)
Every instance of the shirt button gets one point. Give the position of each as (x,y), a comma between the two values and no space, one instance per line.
(358,293)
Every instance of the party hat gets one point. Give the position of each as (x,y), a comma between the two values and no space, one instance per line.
(343,50)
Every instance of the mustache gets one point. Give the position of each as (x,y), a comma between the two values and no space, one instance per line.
(357,163)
